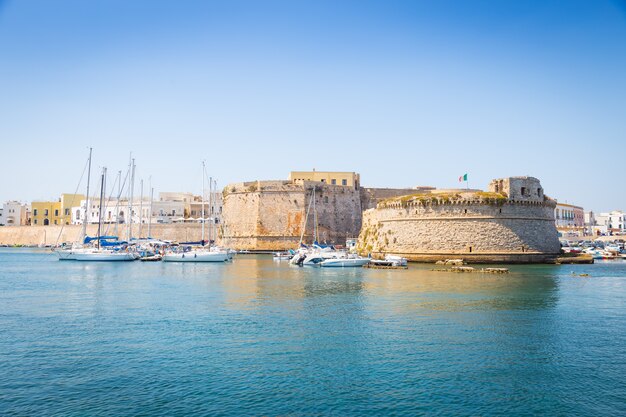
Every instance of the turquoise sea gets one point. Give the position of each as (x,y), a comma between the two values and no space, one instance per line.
(258,337)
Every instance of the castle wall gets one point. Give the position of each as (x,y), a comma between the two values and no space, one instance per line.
(472,229)
(371,196)
(269,215)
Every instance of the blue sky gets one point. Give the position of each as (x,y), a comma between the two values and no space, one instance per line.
(405,92)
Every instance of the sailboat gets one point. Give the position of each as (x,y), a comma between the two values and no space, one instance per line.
(322,255)
(203,254)
(97,252)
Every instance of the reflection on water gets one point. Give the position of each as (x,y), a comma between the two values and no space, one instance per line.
(258,336)
(260,279)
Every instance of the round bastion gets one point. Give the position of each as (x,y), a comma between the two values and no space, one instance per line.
(512,222)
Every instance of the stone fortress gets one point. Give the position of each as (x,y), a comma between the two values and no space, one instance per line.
(512,222)
(270,215)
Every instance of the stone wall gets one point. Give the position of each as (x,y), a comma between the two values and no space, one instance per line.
(50,235)
(478,227)
(371,196)
(270,215)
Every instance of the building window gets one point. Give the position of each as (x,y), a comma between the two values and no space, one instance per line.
(333,181)
(56,213)
(45,212)
(344,182)
(10,221)
(523,191)
(34,212)
(46,222)
(67,212)
(55,222)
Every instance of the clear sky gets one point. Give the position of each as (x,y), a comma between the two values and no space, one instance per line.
(405,92)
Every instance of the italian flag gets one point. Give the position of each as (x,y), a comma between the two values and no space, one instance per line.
(463,178)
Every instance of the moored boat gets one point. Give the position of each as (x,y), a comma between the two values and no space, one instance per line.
(344,262)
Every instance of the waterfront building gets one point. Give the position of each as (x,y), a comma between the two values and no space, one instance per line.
(1,216)
(176,196)
(613,222)
(58,212)
(45,213)
(164,212)
(212,207)
(15,213)
(590,223)
(68,201)
(569,219)
(113,211)
(347,179)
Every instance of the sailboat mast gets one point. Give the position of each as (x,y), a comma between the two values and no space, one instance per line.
(128,175)
(202,210)
(150,215)
(104,170)
(140,207)
(84,231)
(306,217)
(130,201)
(314,216)
(211,210)
(117,202)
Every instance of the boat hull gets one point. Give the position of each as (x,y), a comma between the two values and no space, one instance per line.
(196,257)
(344,263)
(99,256)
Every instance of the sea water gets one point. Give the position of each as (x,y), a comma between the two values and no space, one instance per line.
(261,337)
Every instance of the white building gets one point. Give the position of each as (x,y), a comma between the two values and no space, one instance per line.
(569,216)
(168,211)
(113,211)
(15,213)
(613,222)
(117,212)
(170,208)
(590,223)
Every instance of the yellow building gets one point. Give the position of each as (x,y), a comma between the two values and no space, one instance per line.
(348,179)
(44,213)
(67,202)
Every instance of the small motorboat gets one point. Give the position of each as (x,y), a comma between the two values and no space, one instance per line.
(396,260)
